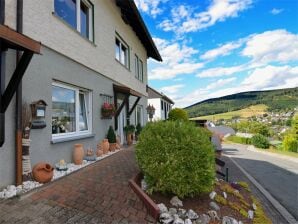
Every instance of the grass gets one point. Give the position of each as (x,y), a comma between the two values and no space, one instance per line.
(286,153)
(254,110)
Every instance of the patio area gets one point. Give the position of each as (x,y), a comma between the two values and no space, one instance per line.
(98,193)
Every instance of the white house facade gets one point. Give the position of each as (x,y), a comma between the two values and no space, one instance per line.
(161,103)
(92,52)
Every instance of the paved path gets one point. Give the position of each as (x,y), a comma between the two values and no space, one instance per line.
(98,193)
(278,176)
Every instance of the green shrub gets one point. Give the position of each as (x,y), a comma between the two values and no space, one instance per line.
(176,157)
(178,114)
(238,139)
(111,135)
(290,143)
(138,129)
(260,141)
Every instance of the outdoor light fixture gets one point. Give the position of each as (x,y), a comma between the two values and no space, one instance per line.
(150,111)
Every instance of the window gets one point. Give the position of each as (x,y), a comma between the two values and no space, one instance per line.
(121,53)
(71,111)
(139,115)
(139,69)
(161,104)
(78,14)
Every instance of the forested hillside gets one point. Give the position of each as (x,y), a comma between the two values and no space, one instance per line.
(276,100)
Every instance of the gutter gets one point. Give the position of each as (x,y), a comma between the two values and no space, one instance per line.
(18,111)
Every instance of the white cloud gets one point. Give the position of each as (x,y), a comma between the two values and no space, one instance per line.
(177,60)
(275,11)
(220,71)
(272,46)
(266,78)
(172,89)
(220,83)
(218,11)
(223,50)
(151,7)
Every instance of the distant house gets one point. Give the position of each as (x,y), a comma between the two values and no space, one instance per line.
(161,103)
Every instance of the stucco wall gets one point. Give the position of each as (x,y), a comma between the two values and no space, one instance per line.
(41,24)
(37,84)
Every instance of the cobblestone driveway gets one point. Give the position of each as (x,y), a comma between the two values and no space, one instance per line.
(98,193)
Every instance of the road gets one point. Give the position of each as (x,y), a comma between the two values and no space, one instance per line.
(278,176)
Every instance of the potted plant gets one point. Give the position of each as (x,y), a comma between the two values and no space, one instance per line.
(129,130)
(112,139)
(107,110)
(138,130)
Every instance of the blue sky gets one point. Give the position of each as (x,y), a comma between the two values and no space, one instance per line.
(212,48)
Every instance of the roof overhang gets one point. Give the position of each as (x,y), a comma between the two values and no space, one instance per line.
(126,90)
(14,40)
(131,16)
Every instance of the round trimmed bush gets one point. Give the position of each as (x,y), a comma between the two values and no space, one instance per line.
(176,157)
(178,114)
(260,141)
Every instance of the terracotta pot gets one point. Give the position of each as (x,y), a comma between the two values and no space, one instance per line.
(113,147)
(78,154)
(43,172)
(99,152)
(105,145)
(129,139)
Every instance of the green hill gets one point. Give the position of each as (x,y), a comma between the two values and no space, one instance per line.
(275,100)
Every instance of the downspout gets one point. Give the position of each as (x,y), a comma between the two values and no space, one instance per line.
(18,112)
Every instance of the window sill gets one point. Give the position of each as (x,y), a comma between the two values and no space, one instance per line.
(122,65)
(74,30)
(71,138)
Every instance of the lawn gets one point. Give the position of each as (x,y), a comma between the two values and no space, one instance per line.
(243,113)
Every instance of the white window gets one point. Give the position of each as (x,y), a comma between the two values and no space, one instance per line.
(139,115)
(122,52)
(139,69)
(78,14)
(71,111)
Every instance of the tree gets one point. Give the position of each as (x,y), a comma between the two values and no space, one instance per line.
(178,114)
(290,142)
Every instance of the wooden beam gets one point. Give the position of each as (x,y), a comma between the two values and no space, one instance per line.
(18,41)
(15,79)
(134,106)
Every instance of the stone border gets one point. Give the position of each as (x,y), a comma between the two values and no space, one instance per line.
(149,203)
(40,188)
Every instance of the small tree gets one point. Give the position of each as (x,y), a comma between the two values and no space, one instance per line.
(290,142)
(111,136)
(178,114)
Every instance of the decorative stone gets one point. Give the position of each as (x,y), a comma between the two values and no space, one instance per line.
(173,211)
(213,215)
(254,206)
(166,218)
(214,206)
(175,201)
(250,214)
(240,222)
(203,219)
(191,214)
(229,220)
(187,221)
(182,213)
(224,195)
(144,185)
(178,220)
(212,195)
(162,208)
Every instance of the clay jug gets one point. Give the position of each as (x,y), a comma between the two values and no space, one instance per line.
(113,147)
(78,154)
(43,172)
(99,152)
(105,145)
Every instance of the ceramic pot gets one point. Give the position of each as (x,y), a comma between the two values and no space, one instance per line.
(129,139)
(105,145)
(43,172)
(78,154)
(99,153)
(113,147)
